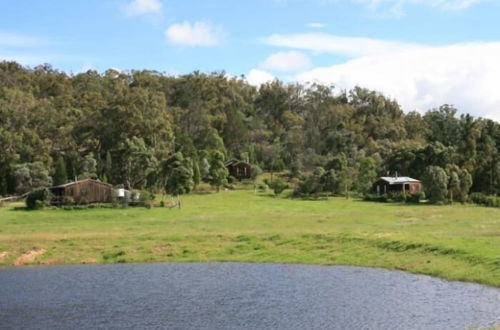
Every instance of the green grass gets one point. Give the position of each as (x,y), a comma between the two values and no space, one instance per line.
(454,242)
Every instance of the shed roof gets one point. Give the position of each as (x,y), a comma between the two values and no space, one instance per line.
(398,180)
(80,181)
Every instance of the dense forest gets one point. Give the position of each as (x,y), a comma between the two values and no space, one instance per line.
(147,130)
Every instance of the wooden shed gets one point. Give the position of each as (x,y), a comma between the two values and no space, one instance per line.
(239,169)
(390,184)
(83,192)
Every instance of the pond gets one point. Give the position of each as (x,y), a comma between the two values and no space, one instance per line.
(238,296)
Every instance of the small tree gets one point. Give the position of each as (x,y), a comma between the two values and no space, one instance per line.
(196,173)
(30,176)
(277,185)
(218,171)
(436,184)
(366,174)
(465,184)
(89,167)
(60,174)
(180,176)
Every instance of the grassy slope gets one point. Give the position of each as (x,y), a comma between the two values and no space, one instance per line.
(454,242)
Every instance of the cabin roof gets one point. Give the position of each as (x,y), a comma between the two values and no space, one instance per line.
(80,181)
(235,162)
(398,180)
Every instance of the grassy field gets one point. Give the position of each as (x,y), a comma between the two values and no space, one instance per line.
(453,242)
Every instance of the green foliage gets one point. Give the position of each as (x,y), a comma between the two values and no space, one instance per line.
(436,184)
(3,185)
(318,183)
(482,199)
(38,199)
(138,162)
(146,198)
(60,174)
(218,171)
(30,176)
(277,185)
(179,171)
(367,173)
(120,126)
(255,171)
(88,167)
(399,197)
(376,198)
(196,174)
(416,197)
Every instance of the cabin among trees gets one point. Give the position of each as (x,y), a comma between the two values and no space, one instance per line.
(388,185)
(239,169)
(82,192)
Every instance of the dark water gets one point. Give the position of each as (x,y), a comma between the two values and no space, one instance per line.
(238,296)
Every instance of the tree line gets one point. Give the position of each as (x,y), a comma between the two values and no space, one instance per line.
(148,130)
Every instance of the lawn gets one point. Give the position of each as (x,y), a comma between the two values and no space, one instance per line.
(459,242)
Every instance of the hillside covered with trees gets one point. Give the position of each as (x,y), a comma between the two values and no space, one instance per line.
(147,130)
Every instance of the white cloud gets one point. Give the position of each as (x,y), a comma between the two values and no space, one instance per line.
(316,25)
(194,34)
(326,43)
(258,77)
(396,7)
(286,61)
(423,77)
(142,7)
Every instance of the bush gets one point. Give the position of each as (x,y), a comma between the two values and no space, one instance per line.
(231,179)
(399,197)
(38,199)
(485,200)
(277,185)
(68,200)
(255,171)
(145,198)
(478,198)
(376,198)
(415,197)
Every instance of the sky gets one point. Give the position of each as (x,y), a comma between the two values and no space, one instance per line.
(423,53)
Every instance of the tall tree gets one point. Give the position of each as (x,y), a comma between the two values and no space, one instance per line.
(60,174)
(218,171)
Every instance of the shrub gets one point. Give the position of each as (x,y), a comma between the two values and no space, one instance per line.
(255,171)
(399,197)
(262,187)
(38,199)
(231,179)
(145,198)
(277,185)
(415,197)
(68,200)
(376,198)
(482,199)
(478,198)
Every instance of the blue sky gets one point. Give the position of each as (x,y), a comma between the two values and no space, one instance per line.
(423,53)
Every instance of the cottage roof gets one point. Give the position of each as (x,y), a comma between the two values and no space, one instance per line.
(79,181)
(235,162)
(398,180)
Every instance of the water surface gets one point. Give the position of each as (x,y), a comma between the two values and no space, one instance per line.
(238,296)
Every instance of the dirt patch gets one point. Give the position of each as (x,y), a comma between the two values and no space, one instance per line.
(163,249)
(3,255)
(28,257)
(380,235)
